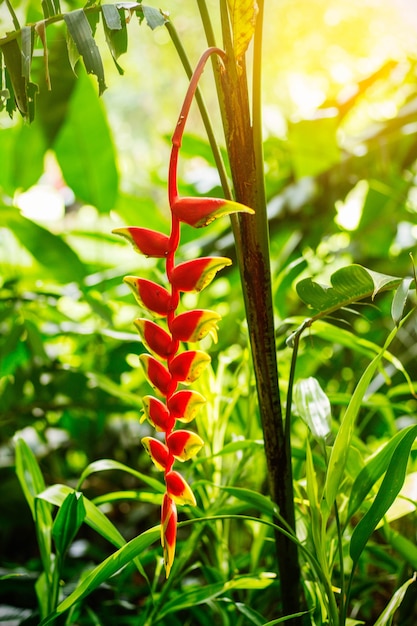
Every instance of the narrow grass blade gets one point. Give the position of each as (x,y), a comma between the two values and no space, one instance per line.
(388,491)
(80,31)
(109,464)
(385,619)
(374,469)
(341,445)
(105,570)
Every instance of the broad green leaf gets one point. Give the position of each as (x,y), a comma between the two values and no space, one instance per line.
(108,464)
(68,520)
(313,145)
(374,469)
(348,284)
(85,150)
(313,406)
(343,439)
(400,299)
(388,491)
(56,494)
(105,570)
(80,31)
(25,148)
(385,619)
(154,18)
(52,106)
(48,249)
(406,502)
(243,15)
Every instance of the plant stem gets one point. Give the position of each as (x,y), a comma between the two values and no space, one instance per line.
(252,243)
(203,110)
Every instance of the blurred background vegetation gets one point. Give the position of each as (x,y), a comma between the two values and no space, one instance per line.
(340,118)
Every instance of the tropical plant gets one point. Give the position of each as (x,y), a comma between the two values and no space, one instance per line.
(320,484)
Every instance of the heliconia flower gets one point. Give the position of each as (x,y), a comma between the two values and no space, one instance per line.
(150,295)
(195,325)
(157,374)
(168,531)
(158,452)
(183,444)
(184,404)
(177,368)
(199,212)
(178,489)
(155,338)
(157,414)
(196,274)
(187,366)
(145,241)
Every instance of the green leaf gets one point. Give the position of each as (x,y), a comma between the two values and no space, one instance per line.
(400,299)
(80,31)
(26,36)
(56,494)
(385,619)
(69,518)
(47,248)
(243,15)
(153,17)
(85,150)
(13,60)
(343,439)
(313,406)
(348,284)
(105,570)
(108,464)
(388,491)
(406,549)
(201,595)
(282,620)
(114,25)
(32,483)
(262,503)
(374,469)
(313,144)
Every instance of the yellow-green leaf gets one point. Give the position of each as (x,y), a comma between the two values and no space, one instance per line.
(243,18)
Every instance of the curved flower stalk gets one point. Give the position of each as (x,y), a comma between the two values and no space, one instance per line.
(169,366)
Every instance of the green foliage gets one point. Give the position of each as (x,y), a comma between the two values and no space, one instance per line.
(80,534)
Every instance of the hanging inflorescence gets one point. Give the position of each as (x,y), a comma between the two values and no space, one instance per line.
(170,367)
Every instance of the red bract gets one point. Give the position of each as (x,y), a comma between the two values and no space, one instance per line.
(150,295)
(185,404)
(177,368)
(178,489)
(200,212)
(196,274)
(187,366)
(195,325)
(158,414)
(145,241)
(183,444)
(155,338)
(158,452)
(156,373)
(168,531)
